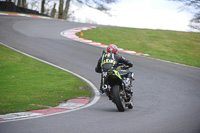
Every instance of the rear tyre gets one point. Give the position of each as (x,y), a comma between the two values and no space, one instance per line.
(118,100)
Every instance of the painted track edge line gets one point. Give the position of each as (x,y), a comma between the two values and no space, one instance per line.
(95,90)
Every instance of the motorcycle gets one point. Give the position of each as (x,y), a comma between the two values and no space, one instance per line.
(117,86)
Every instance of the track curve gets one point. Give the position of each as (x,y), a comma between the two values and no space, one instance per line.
(166,95)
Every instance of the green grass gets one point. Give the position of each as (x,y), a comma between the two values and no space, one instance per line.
(181,47)
(25,83)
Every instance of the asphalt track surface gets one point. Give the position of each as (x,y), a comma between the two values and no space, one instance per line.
(166,95)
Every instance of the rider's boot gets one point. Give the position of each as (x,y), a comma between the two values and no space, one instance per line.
(101,90)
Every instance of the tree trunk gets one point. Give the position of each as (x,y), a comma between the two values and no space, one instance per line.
(53,12)
(65,14)
(60,14)
(42,6)
(24,3)
(19,3)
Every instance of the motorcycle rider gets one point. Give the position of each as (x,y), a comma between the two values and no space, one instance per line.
(110,60)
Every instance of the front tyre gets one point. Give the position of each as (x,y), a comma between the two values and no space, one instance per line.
(118,100)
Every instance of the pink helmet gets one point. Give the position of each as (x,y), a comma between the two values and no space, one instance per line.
(112,49)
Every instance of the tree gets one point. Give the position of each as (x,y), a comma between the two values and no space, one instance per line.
(60,12)
(42,6)
(65,14)
(24,4)
(34,4)
(19,3)
(101,5)
(193,5)
(53,12)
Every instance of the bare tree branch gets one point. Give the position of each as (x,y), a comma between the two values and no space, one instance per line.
(195,4)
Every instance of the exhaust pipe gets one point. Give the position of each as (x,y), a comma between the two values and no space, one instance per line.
(105,87)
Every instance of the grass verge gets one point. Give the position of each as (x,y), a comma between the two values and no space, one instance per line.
(181,47)
(26,83)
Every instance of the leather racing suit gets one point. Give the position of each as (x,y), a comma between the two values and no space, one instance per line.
(110,61)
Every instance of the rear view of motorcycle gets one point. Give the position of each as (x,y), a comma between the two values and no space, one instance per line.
(117,86)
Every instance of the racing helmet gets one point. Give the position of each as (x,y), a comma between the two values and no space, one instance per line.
(112,49)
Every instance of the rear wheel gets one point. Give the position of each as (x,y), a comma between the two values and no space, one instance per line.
(118,99)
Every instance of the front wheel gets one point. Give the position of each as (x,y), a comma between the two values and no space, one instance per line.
(118,99)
